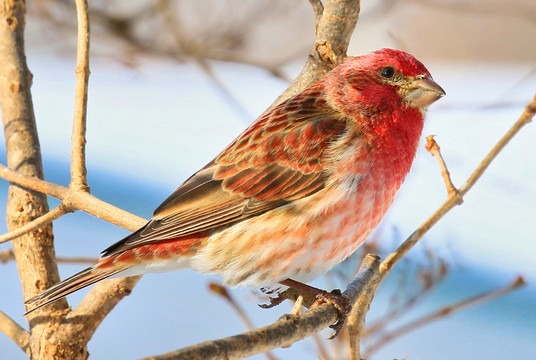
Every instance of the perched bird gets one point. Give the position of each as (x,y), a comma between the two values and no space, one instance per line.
(296,193)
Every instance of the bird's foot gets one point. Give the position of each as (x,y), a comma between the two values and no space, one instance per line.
(274,301)
(341,303)
(336,298)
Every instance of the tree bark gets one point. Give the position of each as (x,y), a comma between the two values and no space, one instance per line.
(34,251)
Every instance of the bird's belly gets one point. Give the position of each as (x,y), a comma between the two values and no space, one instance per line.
(294,242)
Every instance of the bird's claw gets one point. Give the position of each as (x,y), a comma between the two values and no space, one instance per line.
(341,303)
(274,301)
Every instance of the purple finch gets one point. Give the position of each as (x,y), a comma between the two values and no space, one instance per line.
(296,193)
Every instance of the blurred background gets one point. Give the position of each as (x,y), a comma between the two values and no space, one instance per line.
(173,82)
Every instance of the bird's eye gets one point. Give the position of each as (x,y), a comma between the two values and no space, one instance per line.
(387,72)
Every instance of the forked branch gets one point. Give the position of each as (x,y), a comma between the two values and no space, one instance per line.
(453,198)
(43,220)
(434,149)
(284,332)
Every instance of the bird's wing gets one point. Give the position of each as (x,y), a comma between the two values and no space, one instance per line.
(277,160)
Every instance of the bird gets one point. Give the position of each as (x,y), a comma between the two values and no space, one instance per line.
(294,194)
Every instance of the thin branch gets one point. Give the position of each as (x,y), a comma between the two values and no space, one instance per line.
(297,306)
(453,200)
(186,45)
(318,8)
(41,221)
(356,320)
(322,352)
(522,10)
(76,260)
(76,199)
(222,291)
(525,118)
(333,31)
(15,332)
(100,301)
(434,149)
(7,255)
(95,306)
(397,310)
(284,332)
(78,138)
(445,311)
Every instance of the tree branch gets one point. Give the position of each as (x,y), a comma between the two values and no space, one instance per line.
(445,311)
(453,199)
(198,52)
(318,8)
(334,27)
(15,332)
(7,255)
(434,149)
(33,251)
(78,138)
(284,332)
(41,221)
(76,199)
(524,119)
(95,306)
(356,319)
(221,291)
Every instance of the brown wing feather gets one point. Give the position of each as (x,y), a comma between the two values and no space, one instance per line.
(277,160)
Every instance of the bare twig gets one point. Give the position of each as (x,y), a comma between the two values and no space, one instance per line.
(15,332)
(78,139)
(76,200)
(284,332)
(453,200)
(333,31)
(522,10)
(445,311)
(322,352)
(318,8)
(297,306)
(7,255)
(433,148)
(525,118)
(43,220)
(186,45)
(95,306)
(76,260)
(35,252)
(396,310)
(98,303)
(356,319)
(222,291)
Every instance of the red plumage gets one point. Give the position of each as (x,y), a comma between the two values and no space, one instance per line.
(296,193)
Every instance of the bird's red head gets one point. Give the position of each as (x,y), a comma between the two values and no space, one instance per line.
(404,63)
(381,81)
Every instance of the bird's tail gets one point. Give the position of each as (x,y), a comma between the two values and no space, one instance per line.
(76,282)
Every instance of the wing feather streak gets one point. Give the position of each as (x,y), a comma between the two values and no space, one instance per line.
(278,159)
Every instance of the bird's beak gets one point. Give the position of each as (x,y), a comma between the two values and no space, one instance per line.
(424,91)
